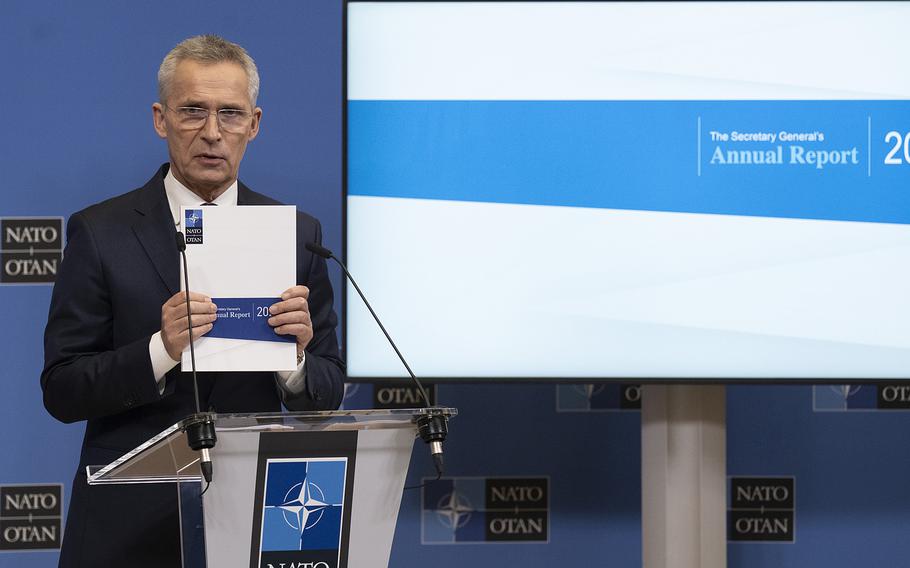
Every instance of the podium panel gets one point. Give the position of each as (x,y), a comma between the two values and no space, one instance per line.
(318,489)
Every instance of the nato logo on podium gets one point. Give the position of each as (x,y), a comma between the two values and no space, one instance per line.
(302,512)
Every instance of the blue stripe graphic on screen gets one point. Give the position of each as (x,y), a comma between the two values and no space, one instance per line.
(302,512)
(246,318)
(792,159)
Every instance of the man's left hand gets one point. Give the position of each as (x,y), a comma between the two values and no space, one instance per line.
(291,316)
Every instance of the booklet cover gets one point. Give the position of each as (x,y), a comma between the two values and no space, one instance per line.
(243,258)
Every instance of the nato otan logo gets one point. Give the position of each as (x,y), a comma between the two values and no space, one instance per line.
(762,509)
(390,394)
(846,398)
(31,249)
(602,397)
(302,513)
(471,510)
(192,226)
(31,517)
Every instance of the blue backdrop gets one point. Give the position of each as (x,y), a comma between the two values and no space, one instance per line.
(78,84)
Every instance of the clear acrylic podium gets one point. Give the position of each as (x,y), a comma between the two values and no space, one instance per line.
(308,489)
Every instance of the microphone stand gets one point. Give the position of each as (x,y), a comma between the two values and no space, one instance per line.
(432,425)
(199,427)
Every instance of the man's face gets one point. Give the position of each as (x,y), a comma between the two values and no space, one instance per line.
(206,159)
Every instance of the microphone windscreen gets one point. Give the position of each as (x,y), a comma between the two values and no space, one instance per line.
(181,242)
(318,250)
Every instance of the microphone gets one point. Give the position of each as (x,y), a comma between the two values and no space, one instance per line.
(320,250)
(432,426)
(200,427)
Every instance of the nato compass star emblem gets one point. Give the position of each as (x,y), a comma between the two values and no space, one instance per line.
(303,507)
(846,391)
(589,391)
(454,510)
(350,390)
(192,218)
(842,398)
(303,503)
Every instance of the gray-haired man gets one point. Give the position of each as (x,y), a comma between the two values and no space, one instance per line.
(117,321)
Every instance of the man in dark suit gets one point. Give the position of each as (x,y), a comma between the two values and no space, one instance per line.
(118,320)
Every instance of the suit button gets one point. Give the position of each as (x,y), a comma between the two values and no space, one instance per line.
(129,401)
(317,395)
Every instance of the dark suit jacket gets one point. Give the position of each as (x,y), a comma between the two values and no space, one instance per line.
(120,265)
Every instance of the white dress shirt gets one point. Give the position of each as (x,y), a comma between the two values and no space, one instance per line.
(178,195)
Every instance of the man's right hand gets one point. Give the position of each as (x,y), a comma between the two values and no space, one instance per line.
(174,332)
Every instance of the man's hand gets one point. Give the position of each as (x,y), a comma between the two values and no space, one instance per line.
(291,316)
(174,332)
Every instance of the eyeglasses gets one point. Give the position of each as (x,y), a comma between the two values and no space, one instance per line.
(194,118)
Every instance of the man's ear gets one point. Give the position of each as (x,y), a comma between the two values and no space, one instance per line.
(254,128)
(158,120)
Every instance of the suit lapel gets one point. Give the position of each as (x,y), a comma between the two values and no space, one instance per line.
(154,227)
(246,196)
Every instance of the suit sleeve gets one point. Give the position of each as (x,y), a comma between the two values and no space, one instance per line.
(84,376)
(324,367)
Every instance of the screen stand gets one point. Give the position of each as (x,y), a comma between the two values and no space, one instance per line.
(683,476)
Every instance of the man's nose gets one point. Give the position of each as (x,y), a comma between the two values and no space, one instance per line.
(210,130)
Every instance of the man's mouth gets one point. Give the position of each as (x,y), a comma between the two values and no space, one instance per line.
(210,158)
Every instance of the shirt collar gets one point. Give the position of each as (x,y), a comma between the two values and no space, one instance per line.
(178,195)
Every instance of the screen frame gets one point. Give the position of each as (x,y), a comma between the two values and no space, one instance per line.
(403,381)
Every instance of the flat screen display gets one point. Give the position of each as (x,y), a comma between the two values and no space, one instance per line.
(629,190)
